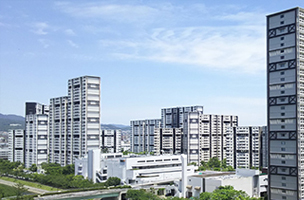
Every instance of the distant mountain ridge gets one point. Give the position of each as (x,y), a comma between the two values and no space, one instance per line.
(115,126)
(6,120)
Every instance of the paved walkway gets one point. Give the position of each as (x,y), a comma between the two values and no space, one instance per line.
(30,189)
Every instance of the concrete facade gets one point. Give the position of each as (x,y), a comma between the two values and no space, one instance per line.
(36,134)
(16,140)
(285,98)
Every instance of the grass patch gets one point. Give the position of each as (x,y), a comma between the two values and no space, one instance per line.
(7,191)
(32,184)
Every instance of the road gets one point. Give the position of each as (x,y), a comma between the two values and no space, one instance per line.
(30,189)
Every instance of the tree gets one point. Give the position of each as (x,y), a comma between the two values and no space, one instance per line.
(20,190)
(214,162)
(33,168)
(113,181)
(226,193)
(141,195)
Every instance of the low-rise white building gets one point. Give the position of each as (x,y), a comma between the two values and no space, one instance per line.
(131,169)
(249,181)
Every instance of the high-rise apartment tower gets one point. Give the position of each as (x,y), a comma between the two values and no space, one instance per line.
(285,93)
(75,120)
(36,134)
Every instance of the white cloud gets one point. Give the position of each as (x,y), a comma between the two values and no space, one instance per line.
(40,28)
(104,11)
(235,47)
(44,43)
(69,32)
(72,44)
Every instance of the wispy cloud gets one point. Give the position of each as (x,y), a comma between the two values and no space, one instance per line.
(117,12)
(69,32)
(228,38)
(239,48)
(44,43)
(72,44)
(40,28)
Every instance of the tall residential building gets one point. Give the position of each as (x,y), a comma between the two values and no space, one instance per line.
(16,141)
(174,117)
(204,136)
(168,141)
(110,141)
(142,134)
(75,120)
(36,134)
(285,93)
(243,146)
(264,147)
(58,132)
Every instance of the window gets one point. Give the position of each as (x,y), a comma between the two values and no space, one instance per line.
(283,170)
(282,57)
(282,79)
(283,184)
(282,22)
(283,161)
(282,16)
(282,120)
(283,156)
(282,85)
(282,92)
(283,143)
(282,127)
(283,149)
(283,178)
(282,73)
(282,51)
(282,38)
(282,114)
(282,44)
(282,107)
(283,197)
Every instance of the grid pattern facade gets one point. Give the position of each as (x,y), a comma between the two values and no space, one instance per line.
(142,135)
(168,140)
(58,130)
(36,134)
(110,141)
(285,93)
(75,120)
(264,147)
(204,136)
(243,146)
(16,145)
(174,117)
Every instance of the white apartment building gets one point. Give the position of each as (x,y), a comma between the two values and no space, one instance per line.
(75,120)
(174,117)
(110,141)
(204,136)
(243,146)
(285,98)
(58,137)
(16,140)
(131,169)
(142,134)
(36,134)
(168,141)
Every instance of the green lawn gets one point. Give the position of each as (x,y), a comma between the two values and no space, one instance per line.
(7,191)
(32,184)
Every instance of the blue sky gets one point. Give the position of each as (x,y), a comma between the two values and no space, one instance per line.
(149,54)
